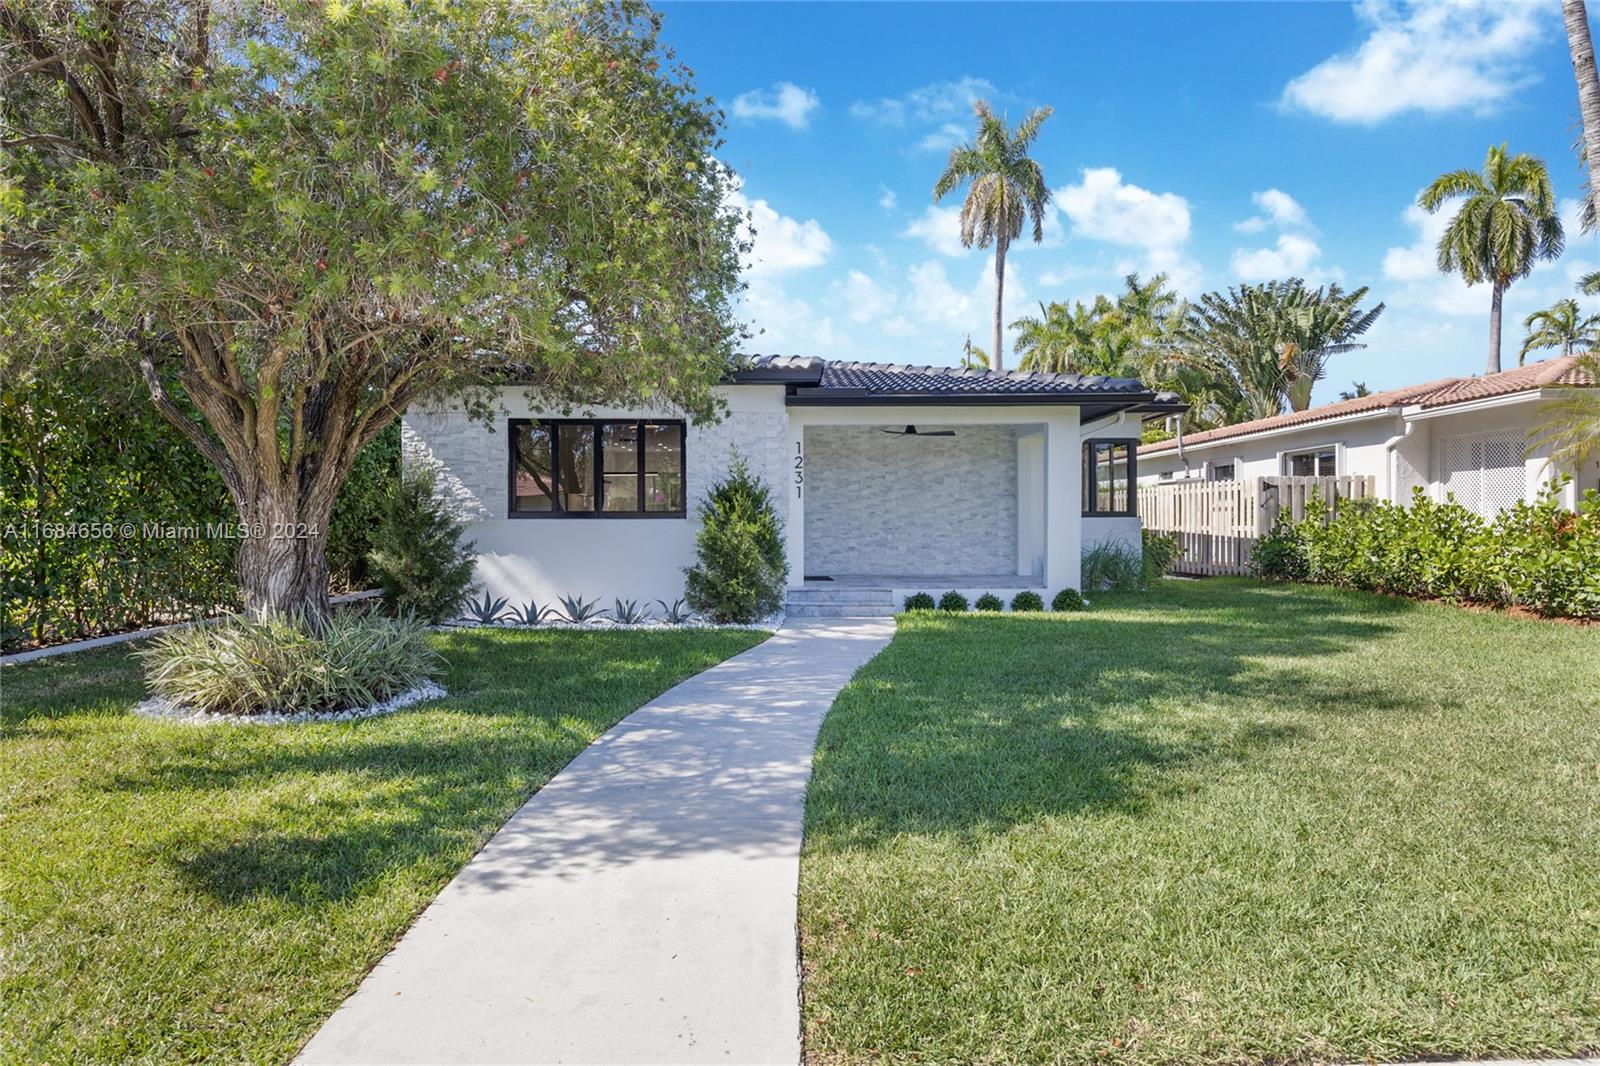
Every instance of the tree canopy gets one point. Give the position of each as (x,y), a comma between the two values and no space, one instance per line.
(297,217)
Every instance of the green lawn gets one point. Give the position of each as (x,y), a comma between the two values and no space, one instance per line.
(177,893)
(1220,822)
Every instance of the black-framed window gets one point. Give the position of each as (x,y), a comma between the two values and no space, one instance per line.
(595,468)
(1108,477)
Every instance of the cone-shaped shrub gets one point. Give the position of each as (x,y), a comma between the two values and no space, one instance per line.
(740,570)
(421,565)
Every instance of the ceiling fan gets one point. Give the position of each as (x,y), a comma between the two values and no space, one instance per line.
(912,431)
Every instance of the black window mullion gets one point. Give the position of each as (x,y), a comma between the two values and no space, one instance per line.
(553,431)
(599,468)
(638,465)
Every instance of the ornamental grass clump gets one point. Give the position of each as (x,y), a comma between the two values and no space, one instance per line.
(278,664)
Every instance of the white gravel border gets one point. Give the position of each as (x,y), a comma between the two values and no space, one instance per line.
(164,709)
(769,624)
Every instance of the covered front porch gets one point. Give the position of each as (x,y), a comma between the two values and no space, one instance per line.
(891,501)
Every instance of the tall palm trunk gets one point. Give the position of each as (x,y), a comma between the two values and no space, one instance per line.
(1583,68)
(1494,326)
(995,357)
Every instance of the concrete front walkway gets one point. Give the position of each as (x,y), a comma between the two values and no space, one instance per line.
(641,906)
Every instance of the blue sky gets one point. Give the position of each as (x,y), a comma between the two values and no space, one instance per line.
(1219,142)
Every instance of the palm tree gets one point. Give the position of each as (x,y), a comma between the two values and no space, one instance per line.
(1506,223)
(1061,339)
(1589,284)
(1581,46)
(1569,424)
(1266,345)
(1561,325)
(1006,189)
(972,356)
(1356,390)
(1317,326)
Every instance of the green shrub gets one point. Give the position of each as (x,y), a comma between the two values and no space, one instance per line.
(1160,552)
(1068,599)
(952,601)
(1281,554)
(1027,601)
(421,565)
(244,666)
(1536,555)
(1112,565)
(740,570)
(919,601)
(356,527)
(989,602)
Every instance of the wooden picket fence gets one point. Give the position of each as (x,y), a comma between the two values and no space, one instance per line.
(1217,523)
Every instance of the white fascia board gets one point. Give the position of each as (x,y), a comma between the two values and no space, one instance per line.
(1298,427)
(1417,413)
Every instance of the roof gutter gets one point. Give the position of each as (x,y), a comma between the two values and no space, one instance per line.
(826,397)
(1261,434)
(1418,413)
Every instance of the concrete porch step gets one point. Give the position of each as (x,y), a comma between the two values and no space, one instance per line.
(840,610)
(843,594)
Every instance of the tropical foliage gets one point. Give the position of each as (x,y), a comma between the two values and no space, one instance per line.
(292,219)
(1536,555)
(1506,222)
(1561,325)
(1569,423)
(280,664)
(1261,348)
(1005,189)
(1123,337)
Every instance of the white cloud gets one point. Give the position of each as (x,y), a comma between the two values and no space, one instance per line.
(1294,255)
(887,199)
(785,322)
(863,298)
(938,102)
(946,137)
(1104,208)
(785,102)
(1419,259)
(940,229)
(782,244)
(1277,208)
(1427,57)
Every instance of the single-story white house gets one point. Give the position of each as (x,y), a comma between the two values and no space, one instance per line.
(889,479)
(1465,436)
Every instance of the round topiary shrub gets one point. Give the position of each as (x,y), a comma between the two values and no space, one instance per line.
(1027,601)
(989,602)
(1068,599)
(952,601)
(919,601)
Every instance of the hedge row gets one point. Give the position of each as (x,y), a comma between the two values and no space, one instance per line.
(103,507)
(1536,555)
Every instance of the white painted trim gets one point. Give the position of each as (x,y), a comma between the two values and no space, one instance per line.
(1262,434)
(1339,464)
(1422,414)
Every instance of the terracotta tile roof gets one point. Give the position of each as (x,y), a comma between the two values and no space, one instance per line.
(1550,373)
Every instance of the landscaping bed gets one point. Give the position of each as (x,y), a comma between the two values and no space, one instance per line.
(1224,821)
(182,894)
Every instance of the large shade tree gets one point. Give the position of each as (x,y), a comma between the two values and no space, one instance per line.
(1505,223)
(1005,189)
(293,218)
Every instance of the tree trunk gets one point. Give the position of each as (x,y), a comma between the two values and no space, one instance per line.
(283,557)
(1494,328)
(1581,46)
(995,355)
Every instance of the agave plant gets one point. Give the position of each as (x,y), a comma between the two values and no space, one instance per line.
(486,612)
(531,614)
(676,613)
(627,612)
(579,610)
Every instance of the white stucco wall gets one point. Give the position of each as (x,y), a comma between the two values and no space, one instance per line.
(1416,458)
(609,558)
(878,503)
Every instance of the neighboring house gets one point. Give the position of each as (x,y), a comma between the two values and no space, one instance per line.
(1467,436)
(1005,479)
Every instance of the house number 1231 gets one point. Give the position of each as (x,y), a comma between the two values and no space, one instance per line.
(799,471)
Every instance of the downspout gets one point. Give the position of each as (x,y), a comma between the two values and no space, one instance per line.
(1391,461)
(1178,420)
